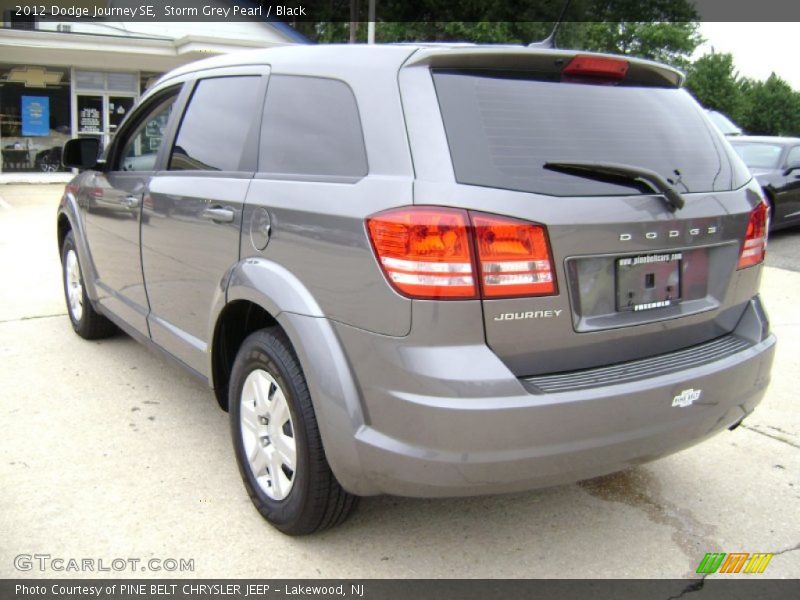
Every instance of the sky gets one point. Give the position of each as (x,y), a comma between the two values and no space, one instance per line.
(758,48)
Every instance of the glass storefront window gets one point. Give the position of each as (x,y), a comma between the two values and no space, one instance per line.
(38,108)
(34,117)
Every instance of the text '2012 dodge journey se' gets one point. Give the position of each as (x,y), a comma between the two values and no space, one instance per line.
(428,271)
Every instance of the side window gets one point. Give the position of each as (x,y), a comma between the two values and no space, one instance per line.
(794,156)
(311,127)
(140,150)
(216,124)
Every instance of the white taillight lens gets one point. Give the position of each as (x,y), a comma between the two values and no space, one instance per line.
(754,248)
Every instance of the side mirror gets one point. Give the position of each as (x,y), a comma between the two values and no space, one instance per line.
(791,167)
(80,153)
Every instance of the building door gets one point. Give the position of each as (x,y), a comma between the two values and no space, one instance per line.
(91,117)
(102,101)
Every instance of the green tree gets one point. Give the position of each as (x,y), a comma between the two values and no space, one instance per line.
(713,81)
(770,107)
(671,43)
(663,30)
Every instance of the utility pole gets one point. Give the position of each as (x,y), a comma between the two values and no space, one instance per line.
(353,21)
(371,24)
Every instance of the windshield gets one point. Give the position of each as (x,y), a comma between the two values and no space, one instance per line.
(723,123)
(502,128)
(757,155)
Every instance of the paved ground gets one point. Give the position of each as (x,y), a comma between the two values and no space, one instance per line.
(107,452)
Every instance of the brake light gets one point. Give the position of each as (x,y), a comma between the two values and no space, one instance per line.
(754,248)
(514,257)
(599,67)
(427,252)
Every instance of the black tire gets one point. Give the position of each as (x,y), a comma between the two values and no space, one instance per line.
(315,501)
(89,324)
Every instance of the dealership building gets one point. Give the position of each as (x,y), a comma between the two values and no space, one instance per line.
(60,80)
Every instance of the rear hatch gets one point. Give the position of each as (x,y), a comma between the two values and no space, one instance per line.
(645,205)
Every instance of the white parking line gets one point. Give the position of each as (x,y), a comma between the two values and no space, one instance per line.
(4,204)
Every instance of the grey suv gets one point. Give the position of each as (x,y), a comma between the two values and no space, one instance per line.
(428,271)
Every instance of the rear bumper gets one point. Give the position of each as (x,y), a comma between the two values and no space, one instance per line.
(453,420)
(562,437)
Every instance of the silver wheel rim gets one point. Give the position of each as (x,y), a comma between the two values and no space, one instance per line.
(268,434)
(72,282)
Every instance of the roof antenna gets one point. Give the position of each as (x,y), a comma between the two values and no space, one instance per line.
(550,41)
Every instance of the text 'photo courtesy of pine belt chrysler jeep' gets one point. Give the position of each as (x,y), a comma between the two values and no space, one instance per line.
(428,270)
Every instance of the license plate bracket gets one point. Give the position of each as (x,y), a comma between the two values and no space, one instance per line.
(648,282)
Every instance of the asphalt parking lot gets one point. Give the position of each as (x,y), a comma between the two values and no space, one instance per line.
(109,452)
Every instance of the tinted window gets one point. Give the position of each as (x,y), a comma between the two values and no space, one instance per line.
(216,124)
(501,129)
(311,127)
(141,149)
(758,155)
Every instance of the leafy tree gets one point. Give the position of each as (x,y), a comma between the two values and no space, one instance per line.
(714,82)
(770,107)
(671,43)
(664,30)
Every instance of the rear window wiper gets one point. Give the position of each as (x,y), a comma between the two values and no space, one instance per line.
(624,172)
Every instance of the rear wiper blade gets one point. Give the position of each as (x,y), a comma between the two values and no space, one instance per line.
(620,171)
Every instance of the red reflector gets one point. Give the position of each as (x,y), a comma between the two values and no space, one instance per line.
(754,248)
(600,67)
(425,252)
(514,257)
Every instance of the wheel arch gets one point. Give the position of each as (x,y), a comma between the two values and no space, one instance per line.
(68,219)
(260,293)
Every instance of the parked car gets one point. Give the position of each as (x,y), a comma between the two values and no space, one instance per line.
(427,270)
(48,161)
(775,163)
(724,124)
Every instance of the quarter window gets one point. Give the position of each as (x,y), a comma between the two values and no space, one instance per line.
(311,128)
(141,150)
(216,124)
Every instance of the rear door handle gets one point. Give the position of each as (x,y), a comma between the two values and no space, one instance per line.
(219,214)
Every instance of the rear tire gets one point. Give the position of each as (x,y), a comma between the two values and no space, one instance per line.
(87,323)
(277,442)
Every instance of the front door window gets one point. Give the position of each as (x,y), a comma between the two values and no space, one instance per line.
(140,150)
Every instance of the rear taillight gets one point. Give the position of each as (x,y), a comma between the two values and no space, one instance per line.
(601,68)
(755,240)
(427,252)
(514,257)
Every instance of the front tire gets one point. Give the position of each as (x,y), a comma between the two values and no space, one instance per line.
(277,442)
(87,323)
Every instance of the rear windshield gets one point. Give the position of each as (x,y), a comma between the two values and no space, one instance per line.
(503,128)
(757,155)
